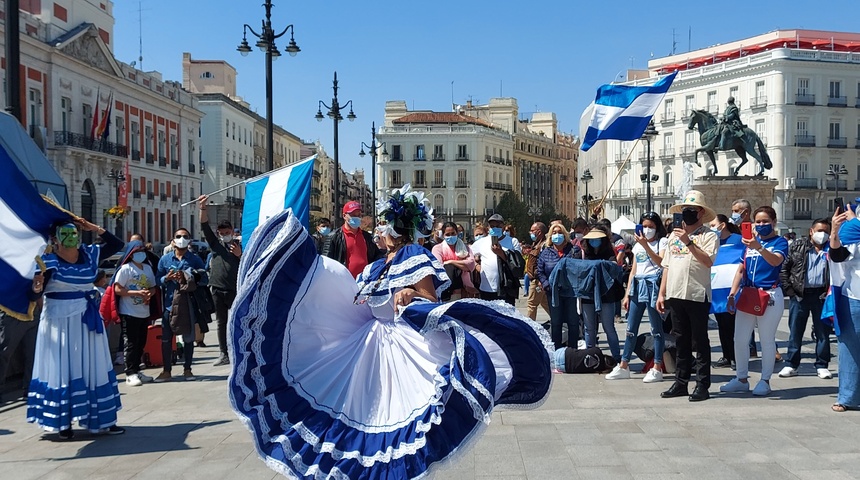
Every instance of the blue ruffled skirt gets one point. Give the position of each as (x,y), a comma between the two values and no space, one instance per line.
(329,389)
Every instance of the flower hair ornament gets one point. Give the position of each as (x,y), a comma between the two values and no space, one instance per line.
(405,209)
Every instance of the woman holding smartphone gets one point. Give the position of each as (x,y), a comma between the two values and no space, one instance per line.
(760,270)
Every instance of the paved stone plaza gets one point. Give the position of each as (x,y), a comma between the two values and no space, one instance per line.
(588,428)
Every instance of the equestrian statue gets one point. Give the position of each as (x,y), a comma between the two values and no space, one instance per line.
(729,134)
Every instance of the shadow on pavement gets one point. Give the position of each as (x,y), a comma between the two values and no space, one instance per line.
(136,440)
(803,392)
(3,431)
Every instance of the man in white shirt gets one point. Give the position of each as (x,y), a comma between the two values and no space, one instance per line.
(134,286)
(489,253)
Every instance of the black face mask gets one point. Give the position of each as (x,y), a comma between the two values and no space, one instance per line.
(691,215)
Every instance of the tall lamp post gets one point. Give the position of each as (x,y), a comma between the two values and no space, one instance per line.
(586,177)
(336,117)
(266,43)
(836,173)
(533,212)
(372,148)
(117,176)
(648,135)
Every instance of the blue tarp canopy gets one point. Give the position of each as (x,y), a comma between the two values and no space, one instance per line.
(30,160)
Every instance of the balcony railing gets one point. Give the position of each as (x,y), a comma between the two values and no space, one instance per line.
(804,99)
(837,101)
(462,158)
(563,178)
(163,197)
(77,140)
(175,198)
(421,184)
(802,215)
(150,159)
(664,190)
(202,167)
(856,185)
(498,186)
(397,158)
(758,102)
(438,185)
(857,102)
(174,165)
(804,140)
(419,158)
(461,184)
(135,194)
(688,151)
(686,115)
(135,155)
(438,158)
(667,153)
(831,184)
(488,158)
(395,184)
(837,142)
(806,183)
(714,108)
(191,167)
(150,196)
(162,161)
(857,143)
(668,117)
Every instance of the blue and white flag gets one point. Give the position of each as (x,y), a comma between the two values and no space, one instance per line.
(25,226)
(729,257)
(840,272)
(622,112)
(287,187)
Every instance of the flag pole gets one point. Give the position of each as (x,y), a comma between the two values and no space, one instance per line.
(266,174)
(620,169)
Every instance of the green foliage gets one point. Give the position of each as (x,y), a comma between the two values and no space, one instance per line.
(516,212)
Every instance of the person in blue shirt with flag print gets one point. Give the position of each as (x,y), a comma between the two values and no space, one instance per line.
(760,269)
(723,271)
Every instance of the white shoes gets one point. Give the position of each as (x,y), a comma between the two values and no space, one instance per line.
(618,373)
(761,389)
(824,373)
(735,386)
(653,376)
(791,372)
(133,380)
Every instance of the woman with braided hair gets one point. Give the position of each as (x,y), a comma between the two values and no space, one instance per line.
(375,379)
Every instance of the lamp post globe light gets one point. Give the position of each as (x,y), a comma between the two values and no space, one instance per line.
(266,43)
(117,176)
(648,135)
(333,112)
(586,177)
(836,173)
(372,148)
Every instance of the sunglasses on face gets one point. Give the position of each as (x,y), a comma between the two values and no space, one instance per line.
(182,236)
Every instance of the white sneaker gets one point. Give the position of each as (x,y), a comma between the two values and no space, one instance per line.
(824,373)
(653,376)
(144,377)
(735,386)
(618,373)
(789,372)
(761,389)
(133,380)
(580,345)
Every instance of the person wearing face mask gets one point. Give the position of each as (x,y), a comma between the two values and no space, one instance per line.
(729,256)
(578,230)
(805,277)
(741,209)
(223,269)
(685,290)
(535,293)
(598,247)
(134,286)
(323,230)
(479,231)
(642,288)
(510,233)
(350,245)
(171,270)
(760,270)
(458,261)
(490,253)
(563,310)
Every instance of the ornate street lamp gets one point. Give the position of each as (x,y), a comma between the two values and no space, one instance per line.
(648,135)
(836,173)
(117,176)
(333,112)
(372,148)
(586,177)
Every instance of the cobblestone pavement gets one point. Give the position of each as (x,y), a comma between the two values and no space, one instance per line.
(589,428)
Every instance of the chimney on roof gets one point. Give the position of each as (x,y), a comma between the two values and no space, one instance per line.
(469,103)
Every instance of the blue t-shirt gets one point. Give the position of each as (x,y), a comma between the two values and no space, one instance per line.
(759,273)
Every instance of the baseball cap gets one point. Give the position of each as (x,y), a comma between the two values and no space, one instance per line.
(496,218)
(351,207)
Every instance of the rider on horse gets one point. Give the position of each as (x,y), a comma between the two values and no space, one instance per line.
(731,127)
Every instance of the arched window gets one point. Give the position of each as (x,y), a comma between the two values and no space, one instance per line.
(438,203)
(461,202)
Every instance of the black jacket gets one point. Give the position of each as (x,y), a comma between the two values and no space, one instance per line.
(224,267)
(335,247)
(792,275)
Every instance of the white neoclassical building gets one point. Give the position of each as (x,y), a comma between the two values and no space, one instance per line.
(798,89)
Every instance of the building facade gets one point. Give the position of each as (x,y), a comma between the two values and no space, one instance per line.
(322,185)
(71,80)
(799,90)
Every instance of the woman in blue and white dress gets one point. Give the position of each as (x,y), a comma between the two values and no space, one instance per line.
(375,380)
(73,377)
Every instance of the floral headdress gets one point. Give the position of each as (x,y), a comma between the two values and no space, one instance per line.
(406,209)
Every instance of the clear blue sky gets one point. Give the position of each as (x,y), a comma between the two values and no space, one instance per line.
(550,55)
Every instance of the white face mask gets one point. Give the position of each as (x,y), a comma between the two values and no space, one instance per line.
(182,242)
(579,235)
(820,237)
(649,232)
(226,238)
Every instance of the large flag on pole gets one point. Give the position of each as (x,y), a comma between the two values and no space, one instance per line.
(95,126)
(729,257)
(103,131)
(25,226)
(287,187)
(622,112)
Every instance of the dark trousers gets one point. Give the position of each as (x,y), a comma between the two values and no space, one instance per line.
(15,333)
(167,344)
(136,330)
(690,324)
(561,314)
(496,296)
(223,300)
(798,314)
(726,325)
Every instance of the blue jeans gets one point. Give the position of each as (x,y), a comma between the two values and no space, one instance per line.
(634,317)
(526,282)
(798,314)
(848,313)
(607,319)
(564,313)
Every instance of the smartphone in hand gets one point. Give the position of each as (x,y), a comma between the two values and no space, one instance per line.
(639,229)
(677,220)
(747,230)
(839,203)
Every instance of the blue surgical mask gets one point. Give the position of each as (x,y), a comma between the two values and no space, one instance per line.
(595,242)
(461,235)
(325,230)
(735,218)
(138,257)
(354,222)
(452,240)
(764,230)
(533,237)
(478,237)
(557,238)
(496,232)
(506,233)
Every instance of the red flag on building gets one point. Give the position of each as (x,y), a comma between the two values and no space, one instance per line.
(95,125)
(123,188)
(104,125)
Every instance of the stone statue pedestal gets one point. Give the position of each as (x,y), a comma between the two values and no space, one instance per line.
(720,192)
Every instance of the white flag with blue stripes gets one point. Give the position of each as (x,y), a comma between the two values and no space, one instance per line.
(288,187)
(723,271)
(622,112)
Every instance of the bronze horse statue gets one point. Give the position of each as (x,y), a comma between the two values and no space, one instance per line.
(709,136)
